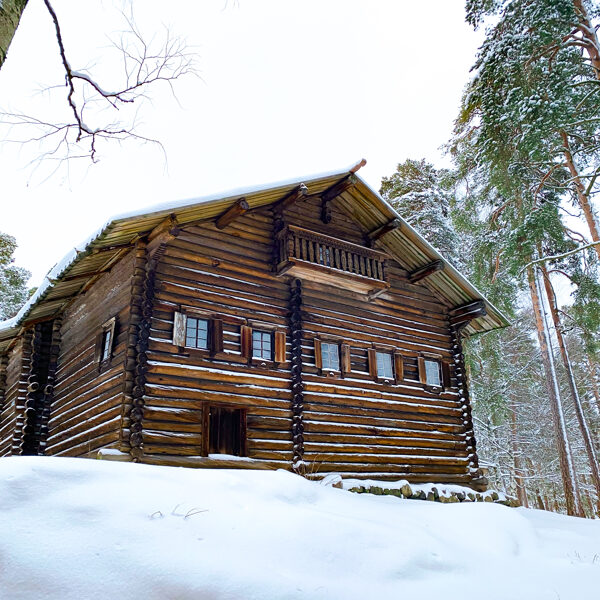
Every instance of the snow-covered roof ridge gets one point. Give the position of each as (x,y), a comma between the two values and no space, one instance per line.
(147,218)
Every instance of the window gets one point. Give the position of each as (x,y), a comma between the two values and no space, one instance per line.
(384,365)
(196,333)
(225,430)
(106,344)
(330,356)
(195,330)
(262,344)
(433,375)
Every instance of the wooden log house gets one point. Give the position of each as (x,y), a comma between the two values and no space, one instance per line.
(303,326)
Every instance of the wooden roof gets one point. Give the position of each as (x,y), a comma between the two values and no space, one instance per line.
(78,270)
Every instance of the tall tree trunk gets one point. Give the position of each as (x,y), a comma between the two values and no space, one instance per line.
(583,425)
(567,469)
(10,14)
(580,191)
(516,452)
(589,37)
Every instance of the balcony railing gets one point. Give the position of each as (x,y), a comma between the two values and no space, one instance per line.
(306,253)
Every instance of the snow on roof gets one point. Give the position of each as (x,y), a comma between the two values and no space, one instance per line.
(8,327)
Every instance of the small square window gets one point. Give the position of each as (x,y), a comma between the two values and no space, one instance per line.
(433,375)
(196,333)
(106,344)
(262,344)
(384,365)
(330,356)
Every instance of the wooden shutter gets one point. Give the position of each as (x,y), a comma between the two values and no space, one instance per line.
(318,355)
(372,356)
(279,337)
(216,336)
(446,374)
(422,371)
(98,350)
(345,362)
(398,367)
(179,323)
(246,341)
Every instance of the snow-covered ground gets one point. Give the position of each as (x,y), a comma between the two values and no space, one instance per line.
(85,529)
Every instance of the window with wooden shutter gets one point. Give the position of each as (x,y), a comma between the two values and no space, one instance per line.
(372,357)
(446,379)
(398,367)
(318,355)
(198,330)
(179,323)
(430,370)
(246,341)
(346,362)
(216,336)
(279,346)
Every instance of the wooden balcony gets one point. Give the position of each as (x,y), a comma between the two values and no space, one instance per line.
(308,254)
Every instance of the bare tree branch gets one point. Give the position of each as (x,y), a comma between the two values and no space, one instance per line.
(145,64)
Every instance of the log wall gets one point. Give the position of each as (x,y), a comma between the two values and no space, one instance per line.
(12,409)
(227,273)
(86,409)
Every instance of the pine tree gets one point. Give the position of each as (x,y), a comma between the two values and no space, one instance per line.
(423,196)
(13,279)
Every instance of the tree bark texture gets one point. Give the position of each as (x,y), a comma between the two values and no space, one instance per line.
(567,468)
(583,425)
(10,15)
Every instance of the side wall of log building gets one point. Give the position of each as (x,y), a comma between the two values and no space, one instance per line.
(87,405)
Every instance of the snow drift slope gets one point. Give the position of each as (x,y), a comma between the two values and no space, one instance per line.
(84,529)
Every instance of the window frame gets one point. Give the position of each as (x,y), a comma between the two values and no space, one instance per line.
(443,370)
(384,378)
(108,327)
(215,336)
(343,354)
(262,332)
(278,344)
(197,318)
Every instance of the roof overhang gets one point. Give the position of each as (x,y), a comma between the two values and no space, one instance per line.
(77,271)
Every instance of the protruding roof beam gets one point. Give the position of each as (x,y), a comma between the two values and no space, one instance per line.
(333,192)
(378,233)
(292,197)
(462,315)
(232,213)
(426,271)
(360,165)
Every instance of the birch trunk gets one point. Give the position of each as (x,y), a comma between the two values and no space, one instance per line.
(583,425)
(567,469)
(580,191)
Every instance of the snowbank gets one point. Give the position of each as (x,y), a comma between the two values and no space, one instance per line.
(84,529)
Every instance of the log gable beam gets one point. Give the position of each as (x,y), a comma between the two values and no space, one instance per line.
(292,197)
(378,233)
(333,192)
(462,315)
(426,271)
(232,213)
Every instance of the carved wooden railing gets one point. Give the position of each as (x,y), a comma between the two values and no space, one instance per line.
(301,251)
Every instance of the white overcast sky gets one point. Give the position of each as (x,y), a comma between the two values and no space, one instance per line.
(287,88)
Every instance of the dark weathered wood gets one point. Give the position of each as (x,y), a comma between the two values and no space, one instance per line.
(232,213)
(426,271)
(332,192)
(378,233)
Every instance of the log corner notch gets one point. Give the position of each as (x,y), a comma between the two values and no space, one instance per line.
(232,213)
(462,315)
(338,188)
(426,271)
